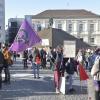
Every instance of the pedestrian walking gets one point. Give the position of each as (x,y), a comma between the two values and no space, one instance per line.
(80,57)
(38,62)
(71,67)
(57,69)
(95,72)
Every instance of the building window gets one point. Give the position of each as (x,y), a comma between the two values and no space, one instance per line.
(81,39)
(80,28)
(46,25)
(59,26)
(92,40)
(91,28)
(14,24)
(38,27)
(70,28)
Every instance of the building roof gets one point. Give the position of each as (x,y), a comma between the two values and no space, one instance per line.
(57,36)
(66,14)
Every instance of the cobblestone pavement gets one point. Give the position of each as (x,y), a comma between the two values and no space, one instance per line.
(24,87)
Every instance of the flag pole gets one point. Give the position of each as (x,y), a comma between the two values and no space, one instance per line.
(81,85)
(83,74)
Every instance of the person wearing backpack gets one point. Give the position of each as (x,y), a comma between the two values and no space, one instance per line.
(95,72)
(1,65)
(71,68)
(7,57)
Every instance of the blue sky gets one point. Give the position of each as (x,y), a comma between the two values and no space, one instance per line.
(19,8)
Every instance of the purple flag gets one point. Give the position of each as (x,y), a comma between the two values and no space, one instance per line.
(25,38)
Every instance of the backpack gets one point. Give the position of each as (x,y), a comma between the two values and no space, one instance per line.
(6,54)
(71,67)
(38,60)
(1,59)
(30,57)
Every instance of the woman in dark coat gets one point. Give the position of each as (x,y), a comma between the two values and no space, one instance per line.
(57,70)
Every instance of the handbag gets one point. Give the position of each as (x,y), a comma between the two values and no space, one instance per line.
(62,85)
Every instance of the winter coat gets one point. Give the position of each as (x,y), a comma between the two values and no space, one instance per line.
(95,71)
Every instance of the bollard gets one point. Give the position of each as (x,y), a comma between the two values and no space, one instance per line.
(91,90)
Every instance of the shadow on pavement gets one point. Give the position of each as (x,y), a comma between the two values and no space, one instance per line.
(27,87)
(33,87)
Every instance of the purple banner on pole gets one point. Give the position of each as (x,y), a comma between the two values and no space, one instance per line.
(25,38)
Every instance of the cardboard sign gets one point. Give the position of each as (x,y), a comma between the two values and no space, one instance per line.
(45,42)
(69,49)
(62,85)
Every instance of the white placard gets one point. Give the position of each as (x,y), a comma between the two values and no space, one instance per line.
(45,42)
(62,85)
(69,49)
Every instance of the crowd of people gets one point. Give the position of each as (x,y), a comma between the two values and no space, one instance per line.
(60,65)
(86,57)
(39,58)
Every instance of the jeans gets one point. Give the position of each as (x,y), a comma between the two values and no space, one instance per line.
(7,74)
(14,59)
(70,81)
(57,79)
(35,69)
(25,63)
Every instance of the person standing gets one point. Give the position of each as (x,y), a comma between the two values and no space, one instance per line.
(7,58)
(95,72)
(43,58)
(14,56)
(38,62)
(1,65)
(71,67)
(25,57)
(35,62)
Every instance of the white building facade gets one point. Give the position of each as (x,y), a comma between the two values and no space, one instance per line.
(82,24)
(2,21)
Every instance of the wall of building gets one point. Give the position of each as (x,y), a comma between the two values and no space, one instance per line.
(2,20)
(87,29)
(13,27)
